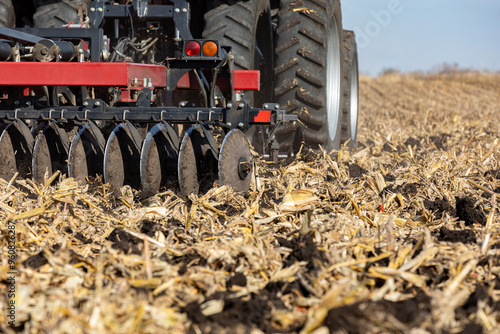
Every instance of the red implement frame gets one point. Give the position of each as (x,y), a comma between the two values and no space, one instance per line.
(81,74)
(242,80)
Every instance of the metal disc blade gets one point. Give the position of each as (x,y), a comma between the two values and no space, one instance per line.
(235,161)
(255,135)
(50,152)
(122,158)
(197,167)
(86,153)
(158,158)
(16,149)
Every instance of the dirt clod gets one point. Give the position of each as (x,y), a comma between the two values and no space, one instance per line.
(413,142)
(82,238)
(356,171)
(239,279)
(303,249)
(407,190)
(124,241)
(465,236)
(35,261)
(469,212)
(439,207)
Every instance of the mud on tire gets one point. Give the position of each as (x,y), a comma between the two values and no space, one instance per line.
(308,70)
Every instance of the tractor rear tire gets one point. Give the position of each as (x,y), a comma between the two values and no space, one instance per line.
(56,14)
(246,27)
(309,55)
(351,91)
(7,14)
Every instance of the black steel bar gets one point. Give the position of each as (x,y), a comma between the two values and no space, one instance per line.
(181,18)
(146,12)
(140,114)
(94,35)
(19,36)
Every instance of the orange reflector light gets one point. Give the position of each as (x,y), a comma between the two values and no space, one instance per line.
(192,48)
(210,49)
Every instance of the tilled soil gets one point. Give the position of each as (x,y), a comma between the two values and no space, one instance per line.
(401,235)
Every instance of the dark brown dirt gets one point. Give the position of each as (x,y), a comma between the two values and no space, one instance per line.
(124,241)
(149,228)
(356,171)
(371,316)
(439,207)
(239,280)
(469,212)
(36,261)
(252,311)
(413,142)
(439,141)
(387,148)
(407,190)
(303,249)
(82,238)
(465,236)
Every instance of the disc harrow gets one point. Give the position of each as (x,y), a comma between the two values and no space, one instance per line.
(145,154)
(151,113)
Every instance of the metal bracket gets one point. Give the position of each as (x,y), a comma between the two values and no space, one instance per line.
(144,98)
(96,12)
(94,105)
(25,103)
(181,18)
(237,115)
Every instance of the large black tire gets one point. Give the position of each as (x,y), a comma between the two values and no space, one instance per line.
(246,27)
(7,14)
(308,71)
(55,13)
(351,91)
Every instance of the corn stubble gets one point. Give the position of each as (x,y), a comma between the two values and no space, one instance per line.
(410,242)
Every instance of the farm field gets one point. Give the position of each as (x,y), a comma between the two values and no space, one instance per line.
(400,236)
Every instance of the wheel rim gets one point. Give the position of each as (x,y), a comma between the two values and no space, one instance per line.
(353,105)
(333,66)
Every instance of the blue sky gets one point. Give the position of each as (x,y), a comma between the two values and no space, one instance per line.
(415,35)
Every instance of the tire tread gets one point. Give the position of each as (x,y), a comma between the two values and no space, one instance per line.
(301,87)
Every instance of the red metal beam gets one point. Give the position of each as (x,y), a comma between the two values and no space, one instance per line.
(81,74)
(243,80)
(246,80)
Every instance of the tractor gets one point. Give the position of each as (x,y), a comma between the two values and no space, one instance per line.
(149,92)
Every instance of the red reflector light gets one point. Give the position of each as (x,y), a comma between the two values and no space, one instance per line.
(193,48)
(264,116)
